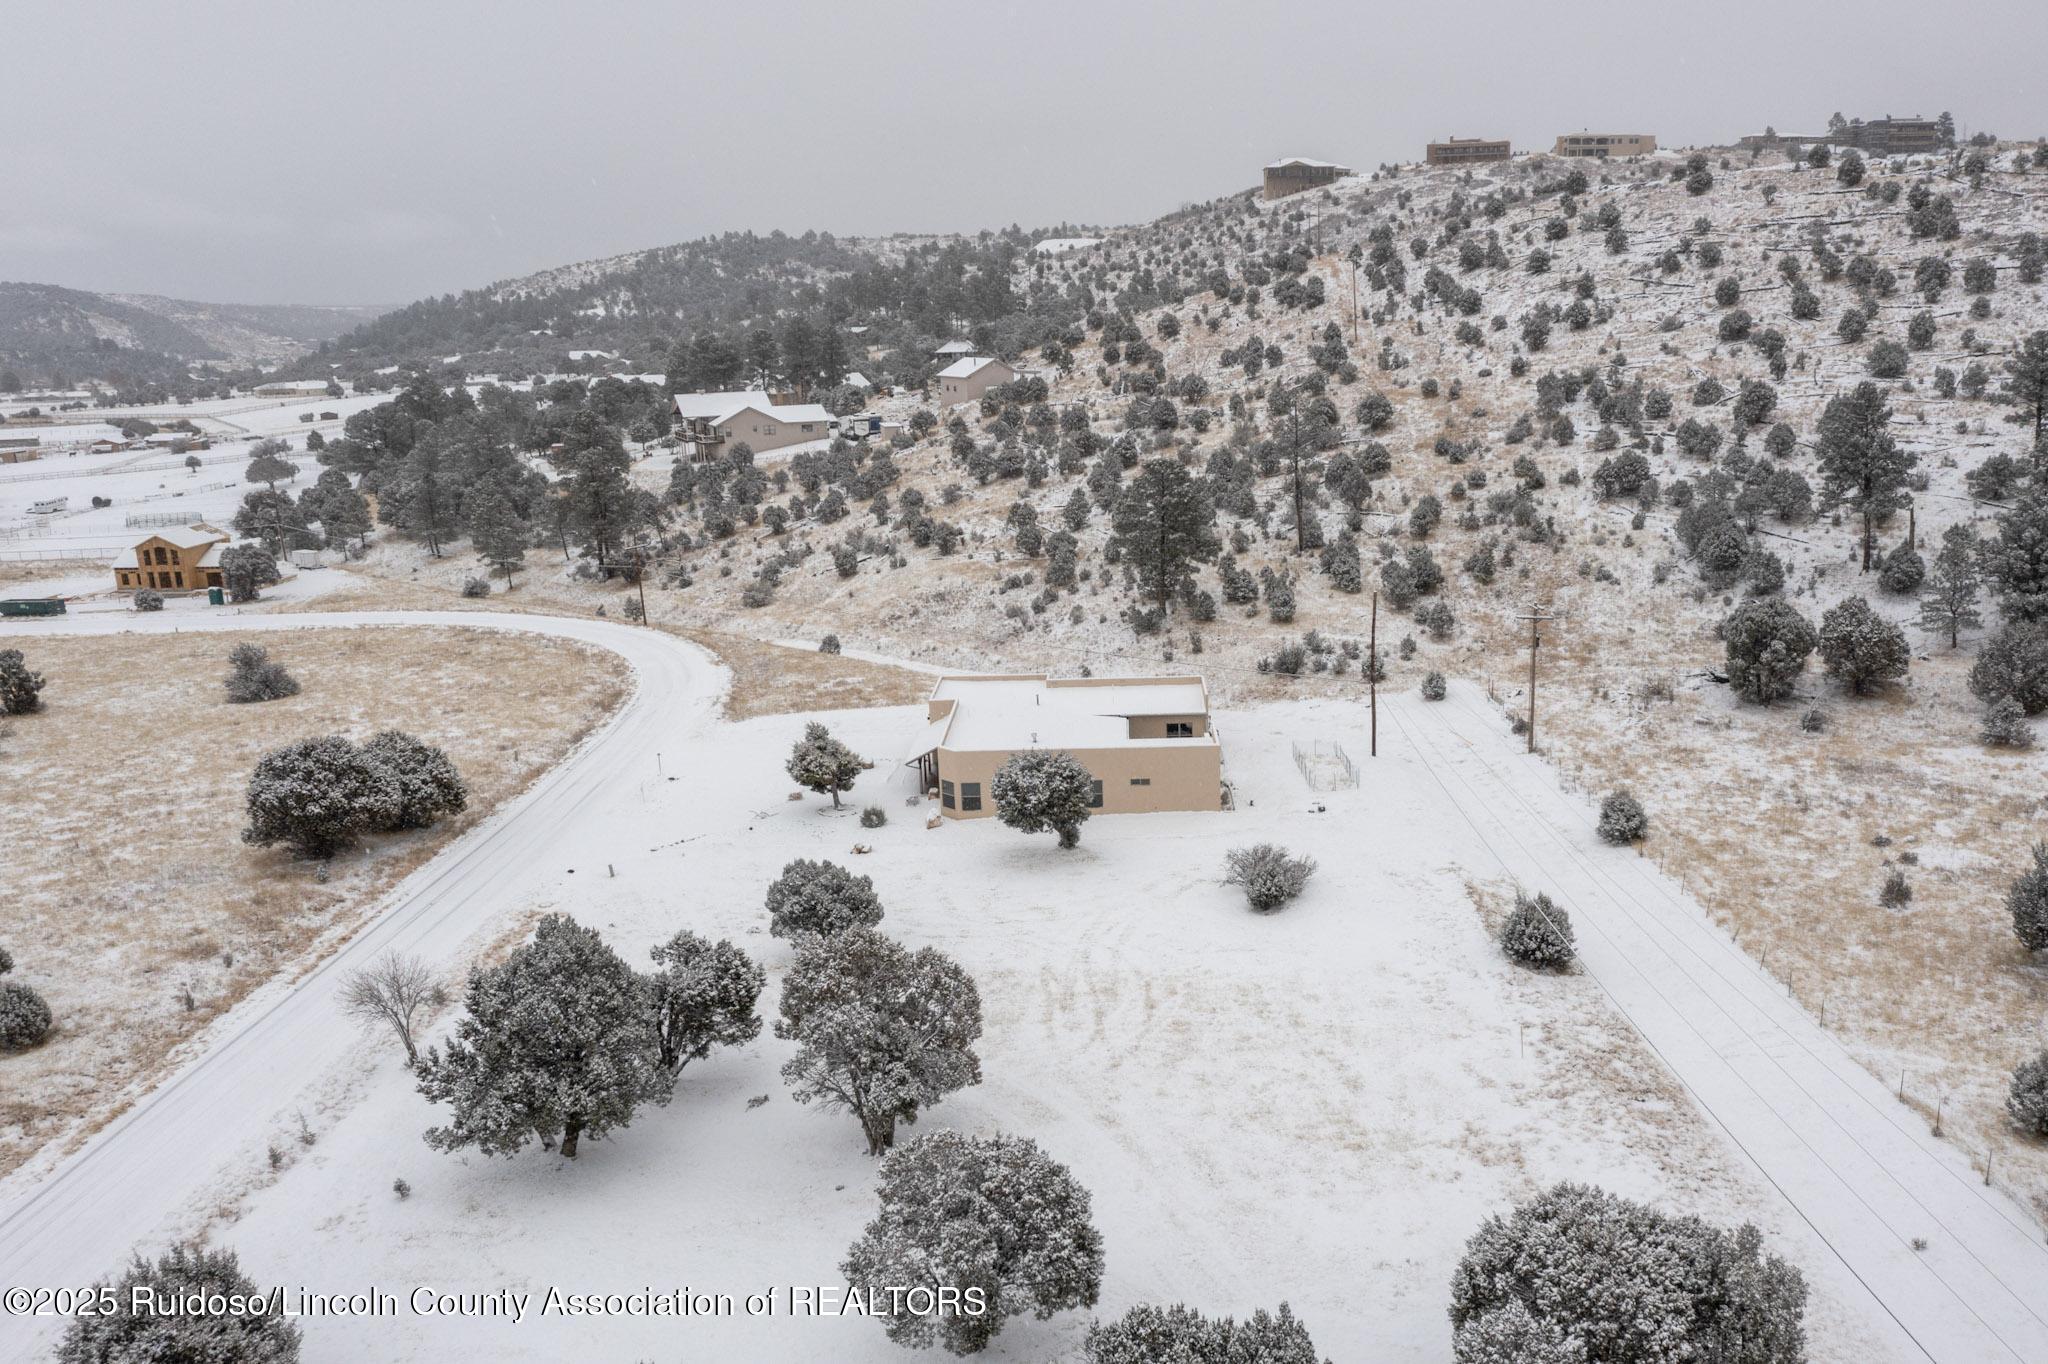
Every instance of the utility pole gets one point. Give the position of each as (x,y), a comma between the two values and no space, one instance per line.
(1372,674)
(1354,303)
(1536,616)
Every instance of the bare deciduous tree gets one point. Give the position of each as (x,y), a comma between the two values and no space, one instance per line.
(392,990)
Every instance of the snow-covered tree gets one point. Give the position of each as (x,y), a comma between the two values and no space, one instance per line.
(1860,462)
(1510,1334)
(1270,875)
(553,1045)
(1627,1284)
(1042,789)
(21,691)
(253,677)
(426,782)
(245,570)
(2027,900)
(268,465)
(2027,1100)
(1538,933)
(149,599)
(1948,605)
(1434,688)
(24,1015)
(821,763)
(881,1031)
(2016,563)
(1180,1335)
(2014,662)
(497,532)
(1767,641)
(1622,819)
(2005,725)
(172,1333)
(1859,647)
(820,898)
(701,995)
(317,795)
(1164,525)
(993,1216)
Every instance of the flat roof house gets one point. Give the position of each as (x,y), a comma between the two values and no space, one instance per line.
(1147,741)
(1601,146)
(180,559)
(963,381)
(1294,174)
(1465,151)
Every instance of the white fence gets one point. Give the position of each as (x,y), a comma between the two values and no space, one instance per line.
(1325,766)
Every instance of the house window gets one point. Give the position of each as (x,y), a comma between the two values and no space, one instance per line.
(180,577)
(767,430)
(970,795)
(1095,795)
(1180,729)
(1141,781)
(946,794)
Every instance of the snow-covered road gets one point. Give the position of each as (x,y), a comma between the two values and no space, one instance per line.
(76,1223)
(1861,1170)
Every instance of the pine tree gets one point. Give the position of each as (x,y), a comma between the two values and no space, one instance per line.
(168,1331)
(268,466)
(2016,563)
(820,898)
(2005,725)
(2029,384)
(1042,789)
(553,1045)
(21,690)
(344,516)
(2027,901)
(1767,644)
(2014,663)
(1860,647)
(881,1031)
(990,1215)
(1859,460)
(701,995)
(1163,524)
(821,763)
(1949,604)
(245,570)
(497,532)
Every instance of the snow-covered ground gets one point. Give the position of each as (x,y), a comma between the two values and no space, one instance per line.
(1317,1106)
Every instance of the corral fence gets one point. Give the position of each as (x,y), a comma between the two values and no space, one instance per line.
(1325,766)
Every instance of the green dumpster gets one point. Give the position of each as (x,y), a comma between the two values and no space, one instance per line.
(215,597)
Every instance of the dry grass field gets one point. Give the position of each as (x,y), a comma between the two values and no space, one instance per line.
(132,903)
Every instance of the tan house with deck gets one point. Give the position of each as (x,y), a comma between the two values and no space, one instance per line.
(964,381)
(714,422)
(179,559)
(1147,741)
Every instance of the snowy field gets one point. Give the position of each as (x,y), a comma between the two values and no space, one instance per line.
(1317,1106)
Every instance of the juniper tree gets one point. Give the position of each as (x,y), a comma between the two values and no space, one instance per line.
(820,763)
(1948,605)
(423,777)
(1903,570)
(2027,1097)
(2014,663)
(880,1031)
(1042,789)
(2027,901)
(1859,460)
(1536,932)
(317,795)
(21,690)
(992,1215)
(1627,1284)
(820,898)
(252,676)
(25,1016)
(156,1317)
(1859,647)
(246,570)
(701,995)
(1163,525)
(1180,1335)
(2005,725)
(1622,819)
(1767,644)
(553,1046)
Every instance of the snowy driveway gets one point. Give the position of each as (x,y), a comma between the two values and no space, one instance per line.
(70,1226)
(1861,1170)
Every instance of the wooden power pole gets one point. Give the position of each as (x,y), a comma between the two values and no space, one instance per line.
(1372,674)
(1537,615)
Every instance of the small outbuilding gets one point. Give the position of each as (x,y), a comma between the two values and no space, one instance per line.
(964,381)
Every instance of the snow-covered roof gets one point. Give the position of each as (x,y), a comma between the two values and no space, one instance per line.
(973,364)
(1004,714)
(857,380)
(1310,162)
(786,412)
(955,348)
(1054,246)
(710,406)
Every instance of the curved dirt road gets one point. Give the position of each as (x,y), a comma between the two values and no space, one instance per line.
(73,1224)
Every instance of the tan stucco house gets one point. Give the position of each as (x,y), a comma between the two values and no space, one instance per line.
(966,380)
(718,421)
(1147,741)
(180,559)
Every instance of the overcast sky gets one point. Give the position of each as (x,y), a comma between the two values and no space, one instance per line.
(373,151)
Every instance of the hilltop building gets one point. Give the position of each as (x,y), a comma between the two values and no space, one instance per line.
(1466,151)
(963,381)
(1297,173)
(1602,146)
(1147,741)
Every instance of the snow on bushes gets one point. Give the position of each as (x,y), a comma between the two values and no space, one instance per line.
(1621,1282)
(1537,933)
(702,995)
(994,1218)
(20,690)
(1768,641)
(1270,875)
(318,796)
(1433,686)
(2027,901)
(253,677)
(1042,789)
(1149,1335)
(881,1031)
(554,1045)
(2027,1101)
(1622,819)
(148,599)
(821,763)
(1859,647)
(24,1016)
(820,898)
(167,1330)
